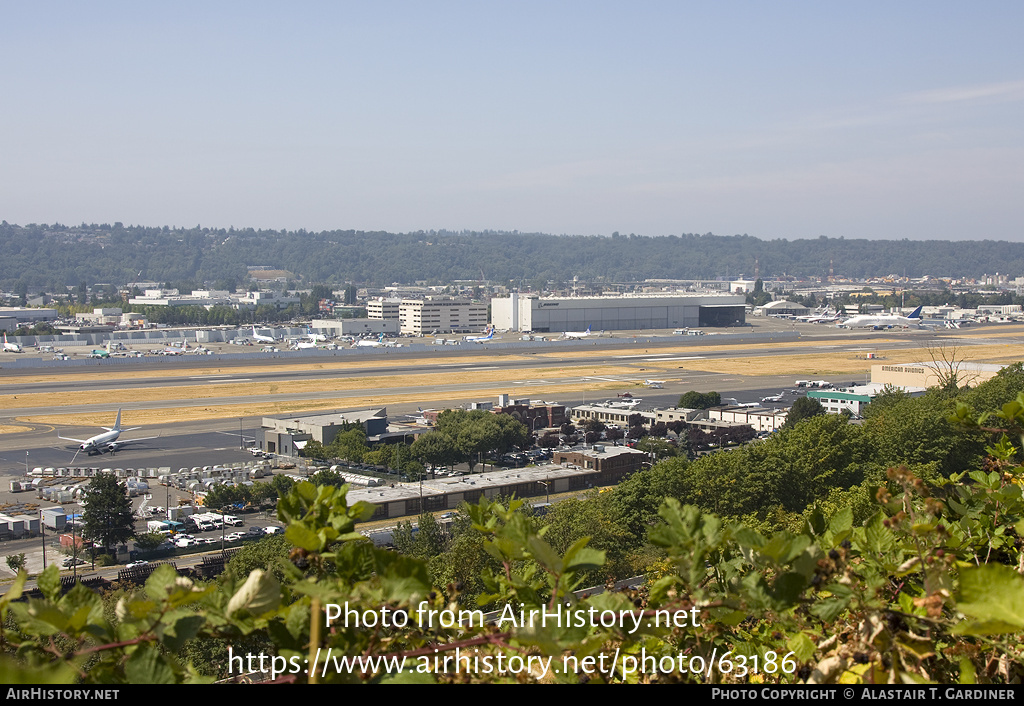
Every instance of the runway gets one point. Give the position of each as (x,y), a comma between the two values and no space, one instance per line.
(403,381)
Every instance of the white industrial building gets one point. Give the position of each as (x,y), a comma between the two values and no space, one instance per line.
(432,314)
(524,312)
(383,309)
(421,317)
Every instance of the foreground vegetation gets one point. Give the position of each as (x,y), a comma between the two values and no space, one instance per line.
(885,552)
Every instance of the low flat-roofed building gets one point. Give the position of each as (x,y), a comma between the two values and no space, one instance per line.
(609,414)
(531,414)
(709,426)
(678,414)
(354,327)
(288,435)
(758,418)
(404,499)
(27,315)
(613,462)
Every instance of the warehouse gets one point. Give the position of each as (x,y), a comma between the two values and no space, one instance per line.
(522,312)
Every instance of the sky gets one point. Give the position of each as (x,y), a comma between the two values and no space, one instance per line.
(775,119)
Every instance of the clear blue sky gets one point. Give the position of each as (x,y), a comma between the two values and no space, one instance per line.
(776,119)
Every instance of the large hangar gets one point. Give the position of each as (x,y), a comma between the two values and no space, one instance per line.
(521,312)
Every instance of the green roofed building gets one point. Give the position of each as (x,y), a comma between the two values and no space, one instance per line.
(854,399)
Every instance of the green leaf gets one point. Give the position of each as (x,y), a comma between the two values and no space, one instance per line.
(802,646)
(841,522)
(967,674)
(787,588)
(878,539)
(303,537)
(260,594)
(993,595)
(176,632)
(49,582)
(147,666)
(14,592)
(161,582)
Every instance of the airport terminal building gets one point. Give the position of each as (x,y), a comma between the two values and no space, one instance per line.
(524,312)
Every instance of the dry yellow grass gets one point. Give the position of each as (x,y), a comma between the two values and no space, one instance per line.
(704,349)
(428,381)
(147,417)
(355,392)
(136,374)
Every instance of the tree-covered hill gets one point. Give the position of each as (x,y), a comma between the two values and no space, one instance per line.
(42,256)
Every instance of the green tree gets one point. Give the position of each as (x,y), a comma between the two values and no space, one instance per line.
(108,515)
(15,562)
(803,408)
(435,448)
(269,554)
(700,400)
(149,541)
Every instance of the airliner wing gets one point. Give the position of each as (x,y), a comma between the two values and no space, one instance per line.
(125,442)
(68,438)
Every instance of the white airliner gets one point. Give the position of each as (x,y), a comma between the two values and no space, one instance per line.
(368,343)
(10,347)
(656,384)
(301,345)
(480,339)
(828,316)
(576,334)
(315,337)
(108,440)
(261,339)
(881,321)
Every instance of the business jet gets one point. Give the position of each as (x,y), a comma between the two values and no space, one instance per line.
(480,339)
(656,384)
(881,321)
(261,339)
(773,398)
(108,440)
(10,347)
(576,334)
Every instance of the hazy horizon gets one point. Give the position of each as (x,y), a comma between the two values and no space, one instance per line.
(787,120)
